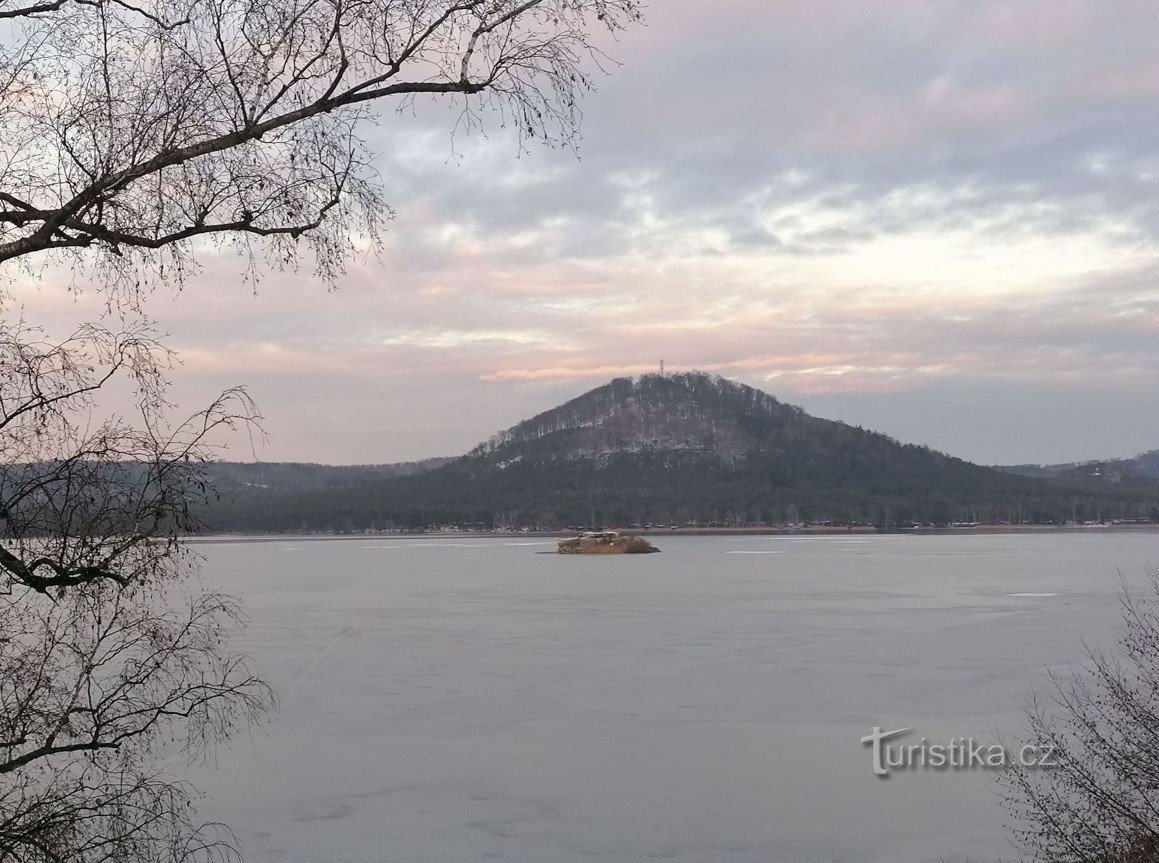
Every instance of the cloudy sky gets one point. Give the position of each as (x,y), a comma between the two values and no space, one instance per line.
(937,219)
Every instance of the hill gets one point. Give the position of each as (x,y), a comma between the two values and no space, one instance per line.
(257,478)
(680,449)
(1139,474)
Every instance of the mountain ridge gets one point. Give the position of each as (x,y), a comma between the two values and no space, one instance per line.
(688,448)
(1141,471)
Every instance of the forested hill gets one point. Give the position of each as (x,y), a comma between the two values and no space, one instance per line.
(1139,474)
(242,478)
(679,449)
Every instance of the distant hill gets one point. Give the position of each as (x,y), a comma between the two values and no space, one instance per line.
(677,449)
(276,496)
(1140,473)
(259,477)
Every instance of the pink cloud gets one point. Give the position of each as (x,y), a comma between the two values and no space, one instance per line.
(1031,23)
(1137,81)
(942,108)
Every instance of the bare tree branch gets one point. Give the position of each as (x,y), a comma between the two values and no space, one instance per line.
(150,127)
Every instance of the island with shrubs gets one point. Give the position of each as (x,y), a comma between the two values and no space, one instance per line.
(606,542)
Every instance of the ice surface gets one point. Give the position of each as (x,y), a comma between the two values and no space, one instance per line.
(479,700)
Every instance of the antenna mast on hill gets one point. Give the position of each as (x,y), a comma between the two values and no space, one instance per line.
(661,368)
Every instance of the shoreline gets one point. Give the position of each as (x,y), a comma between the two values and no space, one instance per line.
(985,529)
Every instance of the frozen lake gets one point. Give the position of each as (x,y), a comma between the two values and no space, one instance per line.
(463,700)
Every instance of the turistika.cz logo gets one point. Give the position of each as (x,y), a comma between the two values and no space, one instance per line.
(961,753)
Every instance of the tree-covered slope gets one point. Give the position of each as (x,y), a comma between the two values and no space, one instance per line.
(680,449)
(1138,475)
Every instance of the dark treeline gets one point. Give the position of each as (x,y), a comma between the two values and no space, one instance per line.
(671,488)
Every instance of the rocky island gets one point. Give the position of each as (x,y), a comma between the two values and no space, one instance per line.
(606,542)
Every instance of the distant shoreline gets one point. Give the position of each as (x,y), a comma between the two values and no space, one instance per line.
(685,531)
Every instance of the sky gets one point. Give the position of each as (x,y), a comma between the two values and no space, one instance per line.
(936,219)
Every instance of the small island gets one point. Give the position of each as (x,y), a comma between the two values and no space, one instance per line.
(606,542)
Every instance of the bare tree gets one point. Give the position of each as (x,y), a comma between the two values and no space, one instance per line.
(113,663)
(128,129)
(1099,803)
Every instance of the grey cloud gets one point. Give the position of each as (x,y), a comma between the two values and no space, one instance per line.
(988,119)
